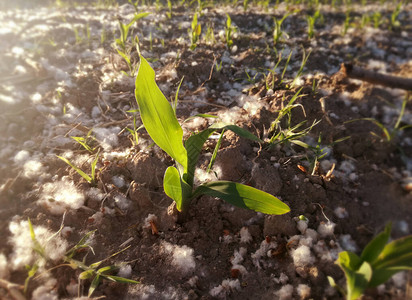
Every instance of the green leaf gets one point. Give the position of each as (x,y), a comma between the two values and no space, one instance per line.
(176,188)
(200,115)
(86,274)
(121,279)
(103,270)
(243,196)
(81,173)
(238,130)
(125,57)
(194,146)
(95,283)
(395,257)
(157,114)
(357,273)
(372,250)
(214,155)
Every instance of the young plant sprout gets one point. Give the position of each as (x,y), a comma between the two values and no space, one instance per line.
(161,123)
(378,262)
(194,32)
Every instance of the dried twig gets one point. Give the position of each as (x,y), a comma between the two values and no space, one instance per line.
(352,71)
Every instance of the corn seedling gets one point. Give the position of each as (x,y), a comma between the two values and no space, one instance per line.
(245,5)
(163,127)
(229,29)
(124,30)
(377,19)
(378,262)
(311,23)
(194,32)
(89,178)
(218,66)
(210,35)
(346,23)
(135,5)
(169,6)
(394,22)
(277,31)
(389,134)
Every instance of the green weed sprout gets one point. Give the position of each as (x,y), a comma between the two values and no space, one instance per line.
(194,32)
(394,23)
(229,29)
(124,30)
(346,23)
(163,127)
(85,141)
(277,31)
(169,6)
(89,178)
(93,270)
(302,65)
(311,23)
(289,134)
(378,262)
(245,5)
(389,133)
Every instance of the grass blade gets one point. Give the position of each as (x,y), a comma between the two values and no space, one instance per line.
(81,173)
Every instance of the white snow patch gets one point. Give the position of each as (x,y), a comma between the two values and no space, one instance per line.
(347,243)
(33,168)
(341,212)
(122,202)
(125,271)
(182,256)
(326,229)
(303,291)
(302,226)
(238,256)
(23,254)
(46,291)
(262,252)
(283,279)
(227,286)
(107,137)
(285,292)
(245,236)
(61,195)
(399,279)
(21,156)
(302,256)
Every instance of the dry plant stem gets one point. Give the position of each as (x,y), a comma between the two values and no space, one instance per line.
(13,289)
(354,72)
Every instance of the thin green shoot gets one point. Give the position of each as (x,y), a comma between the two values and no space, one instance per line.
(302,66)
(277,31)
(229,30)
(215,151)
(89,178)
(394,22)
(194,32)
(84,141)
(389,133)
(174,105)
(311,23)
